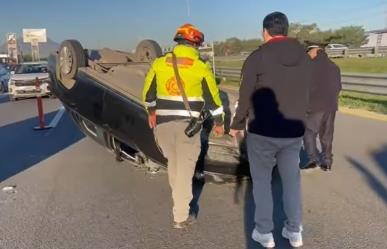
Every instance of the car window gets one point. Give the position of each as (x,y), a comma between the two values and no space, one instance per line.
(33,68)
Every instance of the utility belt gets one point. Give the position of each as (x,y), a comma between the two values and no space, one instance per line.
(195,120)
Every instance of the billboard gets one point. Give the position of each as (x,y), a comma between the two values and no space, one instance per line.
(34,35)
(12,46)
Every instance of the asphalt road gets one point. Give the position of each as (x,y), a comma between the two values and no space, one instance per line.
(70,193)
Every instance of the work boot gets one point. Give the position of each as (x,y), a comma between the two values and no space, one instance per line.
(184,224)
(310,166)
(326,167)
(265,239)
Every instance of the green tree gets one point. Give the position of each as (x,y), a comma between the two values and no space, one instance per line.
(352,36)
(233,45)
(27,57)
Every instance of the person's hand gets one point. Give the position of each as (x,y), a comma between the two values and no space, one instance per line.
(218,130)
(152,122)
(237,133)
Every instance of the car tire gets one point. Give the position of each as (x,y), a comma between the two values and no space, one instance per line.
(148,50)
(71,56)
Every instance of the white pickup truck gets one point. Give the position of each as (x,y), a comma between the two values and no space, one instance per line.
(22,83)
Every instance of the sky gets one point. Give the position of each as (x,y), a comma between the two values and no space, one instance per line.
(121,24)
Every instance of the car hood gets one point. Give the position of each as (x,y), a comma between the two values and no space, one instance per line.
(30,76)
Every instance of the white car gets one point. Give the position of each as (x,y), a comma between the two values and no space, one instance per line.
(22,83)
(335,46)
(4,77)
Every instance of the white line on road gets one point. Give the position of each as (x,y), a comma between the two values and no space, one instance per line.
(54,122)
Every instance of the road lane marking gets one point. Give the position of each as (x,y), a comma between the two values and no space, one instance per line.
(363,114)
(54,122)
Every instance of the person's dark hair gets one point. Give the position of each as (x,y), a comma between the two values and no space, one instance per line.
(276,23)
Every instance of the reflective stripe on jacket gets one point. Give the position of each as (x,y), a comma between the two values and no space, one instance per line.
(161,92)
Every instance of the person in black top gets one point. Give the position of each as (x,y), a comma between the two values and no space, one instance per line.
(323,104)
(273,100)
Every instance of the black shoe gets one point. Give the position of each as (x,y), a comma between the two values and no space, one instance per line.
(326,167)
(311,165)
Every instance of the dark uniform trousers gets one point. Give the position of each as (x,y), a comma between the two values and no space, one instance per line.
(321,124)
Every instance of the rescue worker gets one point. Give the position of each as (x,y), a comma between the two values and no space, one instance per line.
(169,117)
(324,93)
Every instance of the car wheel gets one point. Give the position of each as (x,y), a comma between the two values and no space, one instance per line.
(71,56)
(148,50)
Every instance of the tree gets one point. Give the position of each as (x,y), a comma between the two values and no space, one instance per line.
(234,45)
(352,36)
(27,57)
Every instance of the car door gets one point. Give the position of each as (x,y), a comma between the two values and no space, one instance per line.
(127,120)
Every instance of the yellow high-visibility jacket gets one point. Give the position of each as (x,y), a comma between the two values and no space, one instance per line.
(161,92)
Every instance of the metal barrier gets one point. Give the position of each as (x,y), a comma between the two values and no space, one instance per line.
(366,83)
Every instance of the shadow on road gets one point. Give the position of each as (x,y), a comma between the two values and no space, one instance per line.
(21,147)
(249,209)
(303,158)
(380,157)
(197,188)
(4,98)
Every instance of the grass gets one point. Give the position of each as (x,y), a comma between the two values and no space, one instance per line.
(369,102)
(352,100)
(350,65)
(362,65)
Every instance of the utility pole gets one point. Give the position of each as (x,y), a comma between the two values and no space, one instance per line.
(188,9)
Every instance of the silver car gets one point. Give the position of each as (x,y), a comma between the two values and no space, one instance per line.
(22,83)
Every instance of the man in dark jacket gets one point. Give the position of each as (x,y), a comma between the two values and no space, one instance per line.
(273,101)
(324,92)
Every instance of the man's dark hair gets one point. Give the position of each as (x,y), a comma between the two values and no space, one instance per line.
(276,23)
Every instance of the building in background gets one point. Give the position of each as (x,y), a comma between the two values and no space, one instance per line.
(376,38)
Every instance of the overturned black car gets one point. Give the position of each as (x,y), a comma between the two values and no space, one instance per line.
(101,89)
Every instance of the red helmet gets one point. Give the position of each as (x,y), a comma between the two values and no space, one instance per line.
(189,33)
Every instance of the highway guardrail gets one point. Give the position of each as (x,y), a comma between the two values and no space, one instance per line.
(366,83)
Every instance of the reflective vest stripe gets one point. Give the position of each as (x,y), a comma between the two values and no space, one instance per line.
(180,98)
(150,104)
(183,113)
(218,111)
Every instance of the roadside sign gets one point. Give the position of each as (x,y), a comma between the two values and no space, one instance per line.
(12,47)
(37,35)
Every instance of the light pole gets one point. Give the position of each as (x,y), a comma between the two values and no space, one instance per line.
(188,9)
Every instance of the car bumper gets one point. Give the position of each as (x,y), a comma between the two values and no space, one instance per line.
(28,91)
